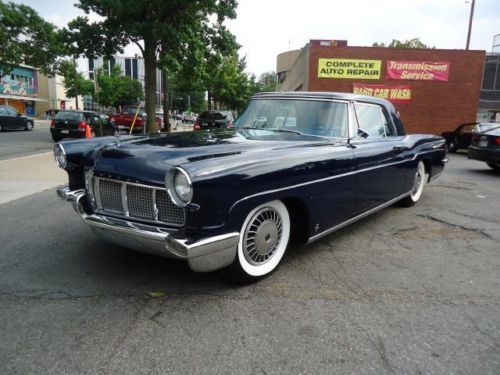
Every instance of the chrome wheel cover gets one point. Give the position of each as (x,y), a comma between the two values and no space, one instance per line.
(262,236)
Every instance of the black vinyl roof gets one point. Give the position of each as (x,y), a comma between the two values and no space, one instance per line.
(322,95)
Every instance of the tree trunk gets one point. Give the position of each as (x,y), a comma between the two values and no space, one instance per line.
(166,107)
(150,85)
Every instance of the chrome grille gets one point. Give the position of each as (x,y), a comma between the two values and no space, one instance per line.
(111,196)
(167,211)
(140,202)
(145,203)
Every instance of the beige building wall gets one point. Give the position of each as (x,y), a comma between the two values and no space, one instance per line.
(292,68)
(52,88)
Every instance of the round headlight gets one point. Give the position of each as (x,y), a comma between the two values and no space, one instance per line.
(179,186)
(60,155)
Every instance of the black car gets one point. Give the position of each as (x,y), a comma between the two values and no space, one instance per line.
(486,146)
(73,123)
(10,119)
(214,120)
(461,137)
(296,165)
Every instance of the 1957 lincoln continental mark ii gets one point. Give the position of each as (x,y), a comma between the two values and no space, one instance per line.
(296,165)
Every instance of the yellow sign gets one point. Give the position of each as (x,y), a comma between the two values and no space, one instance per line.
(349,68)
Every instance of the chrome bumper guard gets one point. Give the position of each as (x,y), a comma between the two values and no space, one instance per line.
(206,255)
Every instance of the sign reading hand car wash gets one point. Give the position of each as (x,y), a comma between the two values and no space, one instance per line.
(349,68)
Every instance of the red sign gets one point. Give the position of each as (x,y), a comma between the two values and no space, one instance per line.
(395,94)
(418,70)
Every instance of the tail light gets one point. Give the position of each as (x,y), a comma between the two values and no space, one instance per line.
(196,125)
(82,125)
(497,140)
(52,123)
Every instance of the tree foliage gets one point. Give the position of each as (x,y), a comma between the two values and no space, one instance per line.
(115,90)
(410,43)
(74,82)
(26,38)
(153,25)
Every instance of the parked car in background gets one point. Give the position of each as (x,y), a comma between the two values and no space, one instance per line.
(73,123)
(214,120)
(123,121)
(233,199)
(461,137)
(485,145)
(10,119)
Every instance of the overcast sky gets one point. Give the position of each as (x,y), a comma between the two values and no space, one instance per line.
(265,28)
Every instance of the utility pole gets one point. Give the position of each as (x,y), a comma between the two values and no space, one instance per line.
(470,23)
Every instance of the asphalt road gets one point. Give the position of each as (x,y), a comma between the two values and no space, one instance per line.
(405,291)
(19,143)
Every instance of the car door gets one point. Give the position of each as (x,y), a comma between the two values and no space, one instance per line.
(13,119)
(378,156)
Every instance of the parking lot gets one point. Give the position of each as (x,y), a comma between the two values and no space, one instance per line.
(407,290)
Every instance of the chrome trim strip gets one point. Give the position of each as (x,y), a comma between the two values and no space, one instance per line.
(123,191)
(356,218)
(328,178)
(155,207)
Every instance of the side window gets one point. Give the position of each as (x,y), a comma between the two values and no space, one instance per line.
(373,120)
(10,111)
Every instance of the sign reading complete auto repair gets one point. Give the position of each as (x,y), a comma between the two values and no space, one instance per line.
(349,68)
(418,70)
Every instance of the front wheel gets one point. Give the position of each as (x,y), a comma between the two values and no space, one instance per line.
(417,190)
(452,145)
(28,126)
(264,238)
(494,166)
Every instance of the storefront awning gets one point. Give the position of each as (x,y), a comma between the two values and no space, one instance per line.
(25,98)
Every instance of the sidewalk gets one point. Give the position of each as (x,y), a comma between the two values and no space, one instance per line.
(20,177)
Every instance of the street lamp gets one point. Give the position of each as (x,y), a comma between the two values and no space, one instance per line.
(470,23)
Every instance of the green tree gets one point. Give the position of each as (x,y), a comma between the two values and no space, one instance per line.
(410,43)
(149,24)
(26,38)
(114,90)
(74,82)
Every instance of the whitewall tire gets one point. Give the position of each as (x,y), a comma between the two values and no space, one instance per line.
(264,238)
(419,181)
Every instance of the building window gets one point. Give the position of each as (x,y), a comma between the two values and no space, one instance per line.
(128,68)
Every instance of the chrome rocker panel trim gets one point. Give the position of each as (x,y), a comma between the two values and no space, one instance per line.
(206,255)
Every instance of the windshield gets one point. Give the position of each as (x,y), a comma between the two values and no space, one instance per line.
(313,117)
(486,127)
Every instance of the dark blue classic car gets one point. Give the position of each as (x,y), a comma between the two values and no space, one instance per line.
(296,165)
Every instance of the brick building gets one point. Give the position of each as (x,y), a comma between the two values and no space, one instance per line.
(433,89)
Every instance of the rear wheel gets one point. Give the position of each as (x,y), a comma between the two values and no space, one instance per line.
(494,166)
(28,126)
(417,190)
(264,238)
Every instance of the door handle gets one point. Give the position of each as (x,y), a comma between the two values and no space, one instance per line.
(399,148)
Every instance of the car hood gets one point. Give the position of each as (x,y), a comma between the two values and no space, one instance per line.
(146,159)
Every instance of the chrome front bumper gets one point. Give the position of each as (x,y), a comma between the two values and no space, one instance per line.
(206,255)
